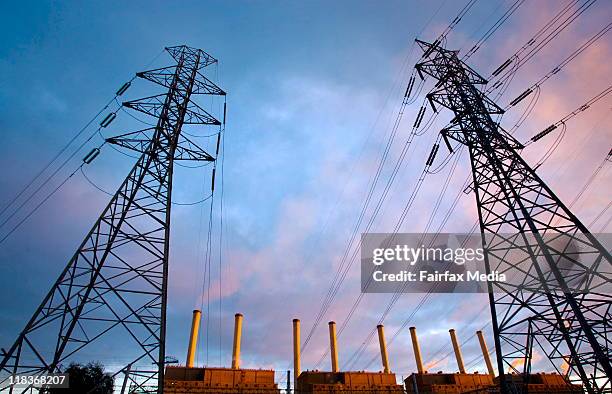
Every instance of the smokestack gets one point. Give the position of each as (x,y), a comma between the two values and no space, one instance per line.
(193,337)
(334,346)
(417,350)
(237,338)
(458,355)
(383,348)
(485,353)
(296,351)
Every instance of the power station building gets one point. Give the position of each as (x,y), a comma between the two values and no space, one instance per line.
(190,379)
(195,380)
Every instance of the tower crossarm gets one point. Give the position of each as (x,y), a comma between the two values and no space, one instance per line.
(138,141)
(164,76)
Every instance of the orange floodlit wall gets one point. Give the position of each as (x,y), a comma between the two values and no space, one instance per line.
(184,380)
(317,382)
(447,383)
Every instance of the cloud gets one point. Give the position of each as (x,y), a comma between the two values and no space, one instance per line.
(303,141)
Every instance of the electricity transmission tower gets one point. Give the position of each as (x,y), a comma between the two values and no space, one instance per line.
(560,300)
(114,288)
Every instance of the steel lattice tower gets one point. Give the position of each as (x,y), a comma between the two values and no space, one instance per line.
(559,305)
(116,282)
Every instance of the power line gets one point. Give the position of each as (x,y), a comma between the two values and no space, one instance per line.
(49,178)
(370,336)
(562,123)
(559,67)
(398,225)
(502,19)
(440,39)
(589,181)
(54,159)
(79,132)
(536,43)
(455,22)
(419,182)
(600,215)
(390,181)
(327,299)
(45,199)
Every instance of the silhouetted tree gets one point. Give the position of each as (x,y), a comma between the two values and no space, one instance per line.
(83,378)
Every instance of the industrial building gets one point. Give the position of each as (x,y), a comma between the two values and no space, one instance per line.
(343,382)
(189,379)
(462,382)
(422,382)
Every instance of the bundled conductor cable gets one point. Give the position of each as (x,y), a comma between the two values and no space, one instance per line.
(432,154)
(419,118)
(410,85)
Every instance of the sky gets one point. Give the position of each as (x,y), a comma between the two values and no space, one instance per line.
(313,90)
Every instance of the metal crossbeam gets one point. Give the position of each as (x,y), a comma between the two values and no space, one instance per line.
(138,141)
(155,105)
(163,76)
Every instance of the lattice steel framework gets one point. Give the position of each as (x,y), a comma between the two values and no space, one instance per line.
(559,302)
(115,285)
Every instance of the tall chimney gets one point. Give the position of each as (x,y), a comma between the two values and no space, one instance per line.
(333,346)
(383,348)
(417,350)
(458,355)
(193,337)
(296,351)
(485,353)
(237,338)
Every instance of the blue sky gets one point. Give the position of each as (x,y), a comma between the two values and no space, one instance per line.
(313,88)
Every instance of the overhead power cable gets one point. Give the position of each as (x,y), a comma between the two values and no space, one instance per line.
(72,140)
(587,184)
(398,225)
(534,39)
(371,334)
(36,177)
(86,160)
(353,257)
(541,39)
(332,290)
(15,211)
(346,262)
(95,185)
(455,22)
(337,203)
(589,181)
(569,116)
(394,299)
(600,215)
(417,124)
(515,6)
(331,293)
(559,67)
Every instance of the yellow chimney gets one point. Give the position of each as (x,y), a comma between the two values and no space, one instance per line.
(383,348)
(193,337)
(334,346)
(417,350)
(296,351)
(457,349)
(485,353)
(237,338)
